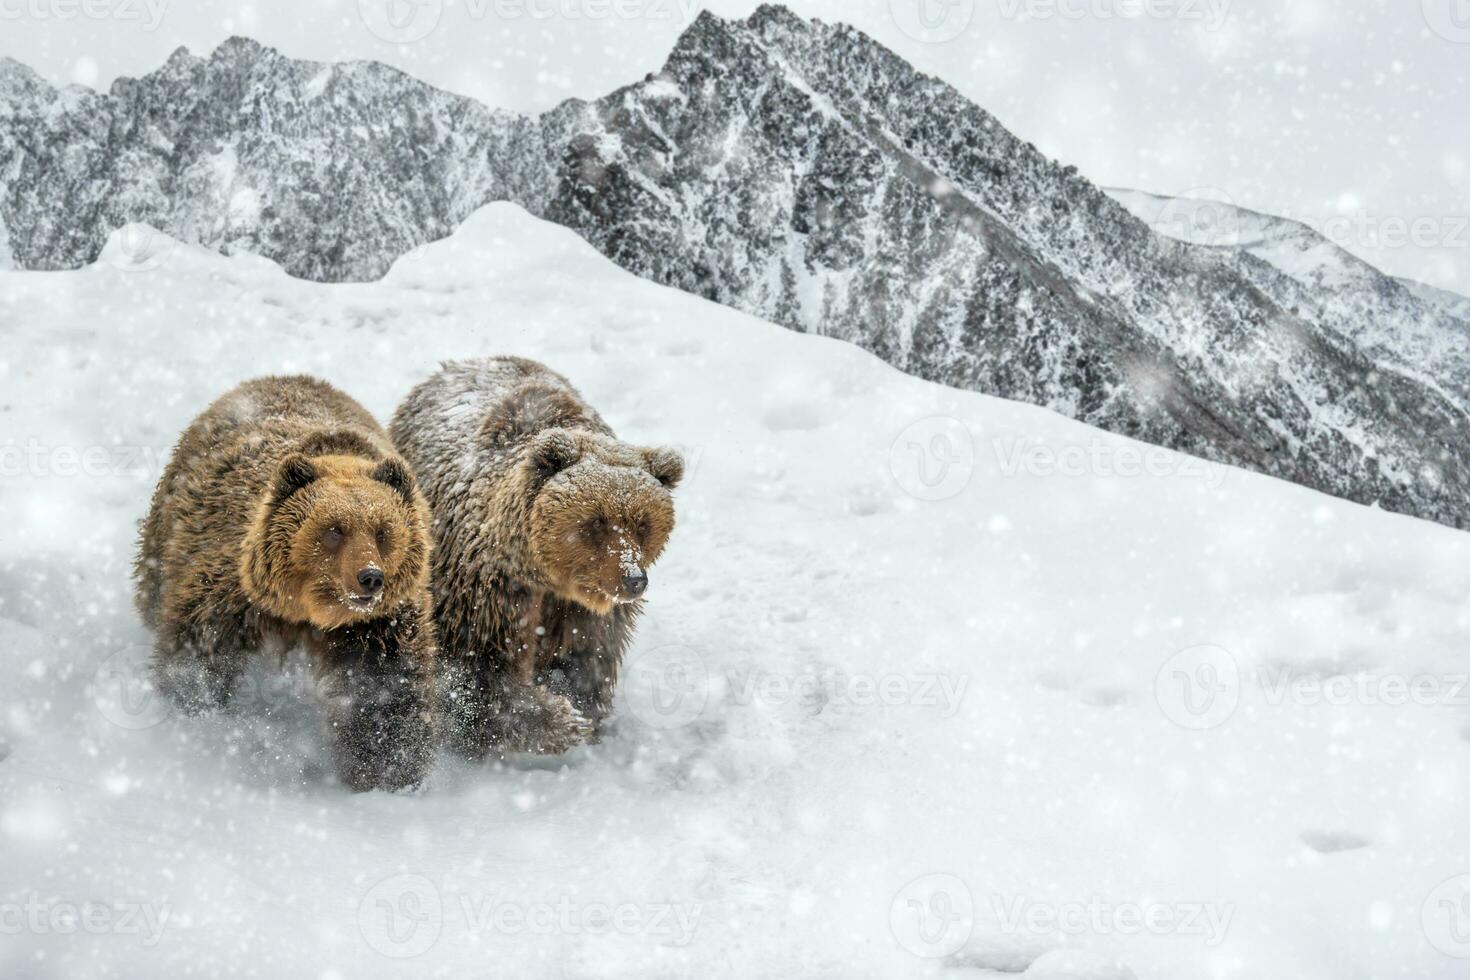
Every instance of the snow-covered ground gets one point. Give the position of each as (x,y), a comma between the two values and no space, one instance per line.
(931,683)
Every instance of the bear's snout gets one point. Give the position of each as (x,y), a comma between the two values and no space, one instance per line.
(370,580)
(635,583)
(360,573)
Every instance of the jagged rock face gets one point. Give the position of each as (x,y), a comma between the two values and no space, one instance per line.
(332,171)
(802,172)
(792,169)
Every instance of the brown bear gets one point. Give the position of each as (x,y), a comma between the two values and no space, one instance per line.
(545,526)
(285,517)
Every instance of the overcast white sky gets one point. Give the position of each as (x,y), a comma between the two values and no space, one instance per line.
(1353,112)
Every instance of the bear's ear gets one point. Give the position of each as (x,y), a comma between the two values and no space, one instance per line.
(666,465)
(394,472)
(553,452)
(296,472)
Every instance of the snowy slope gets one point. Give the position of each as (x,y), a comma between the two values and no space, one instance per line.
(880,649)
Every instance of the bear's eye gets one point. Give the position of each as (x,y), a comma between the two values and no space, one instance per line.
(596,527)
(332,540)
(643,529)
(382,536)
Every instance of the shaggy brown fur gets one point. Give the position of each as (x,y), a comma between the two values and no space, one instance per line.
(544,528)
(284,517)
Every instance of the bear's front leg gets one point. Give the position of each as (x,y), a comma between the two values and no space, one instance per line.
(196,665)
(375,685)
(490,711)
(586,669)
(589,679)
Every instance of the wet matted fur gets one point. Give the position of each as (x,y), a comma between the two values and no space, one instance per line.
(285,517)
(545,525)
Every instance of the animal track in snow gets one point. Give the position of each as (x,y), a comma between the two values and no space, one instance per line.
(869,501)
(1105,697)
(1000,954)
(1058,682)
(793,417)
(1053,680)
(1333,841)
(683,348)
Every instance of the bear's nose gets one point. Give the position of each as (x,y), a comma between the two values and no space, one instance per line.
(370,580)
(635,583)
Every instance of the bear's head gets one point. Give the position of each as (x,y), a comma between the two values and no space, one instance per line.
(601,514)
(337,539)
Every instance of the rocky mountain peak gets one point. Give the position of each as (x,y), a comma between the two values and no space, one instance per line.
(21,88)
(798,171)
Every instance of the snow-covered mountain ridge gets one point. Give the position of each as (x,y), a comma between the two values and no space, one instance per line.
(1416,328)
(866,733)
(792,169)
